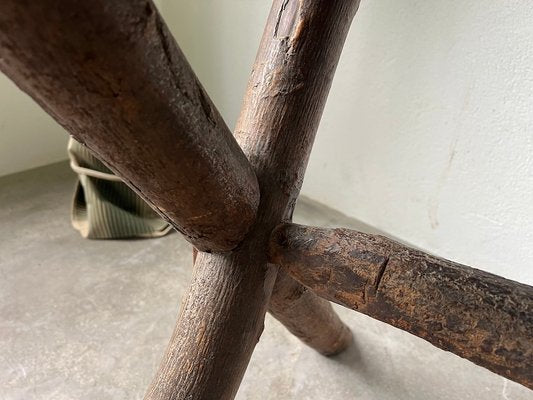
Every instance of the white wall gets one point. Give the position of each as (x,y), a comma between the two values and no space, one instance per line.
(29,137)
(428,131)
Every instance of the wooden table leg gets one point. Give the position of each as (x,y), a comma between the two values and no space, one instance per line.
(307,316)
(482,317)
(112,75)
(286,94)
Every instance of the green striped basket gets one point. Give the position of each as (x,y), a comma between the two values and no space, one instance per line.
(104,207)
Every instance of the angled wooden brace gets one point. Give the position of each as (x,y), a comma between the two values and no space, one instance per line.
(482,317)
(80,60)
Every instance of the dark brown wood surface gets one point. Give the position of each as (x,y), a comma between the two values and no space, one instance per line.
(113,76)
(305,315)
(308,316)
(222,316)
(474,314)
(286,95)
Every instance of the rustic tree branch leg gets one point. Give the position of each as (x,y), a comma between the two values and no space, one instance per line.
(476,315)
(307,316)
(219,325)
(285,97)
(139,106)
(113,76)
(119,61)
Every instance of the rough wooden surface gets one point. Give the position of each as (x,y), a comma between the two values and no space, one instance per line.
(113,76)
(220,322)
(286,95)
(474,314)
(307,316)
(222,316)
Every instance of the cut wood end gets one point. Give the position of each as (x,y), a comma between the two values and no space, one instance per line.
(344,341)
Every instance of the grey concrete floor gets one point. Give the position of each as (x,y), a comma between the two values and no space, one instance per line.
(82,319)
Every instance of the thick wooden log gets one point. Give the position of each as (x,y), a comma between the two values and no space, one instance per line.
(113,76)
(474,314)
(222,316)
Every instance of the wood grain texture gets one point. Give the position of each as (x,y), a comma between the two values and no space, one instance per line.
(112,75)
(474,314)
(223,313)
(305,315)
(220,322)
(286,95)
(308,317)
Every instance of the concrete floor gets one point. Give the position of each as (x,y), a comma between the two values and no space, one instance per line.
(82,319)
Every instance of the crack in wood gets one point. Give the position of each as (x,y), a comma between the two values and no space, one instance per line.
(381,271)
(286,19)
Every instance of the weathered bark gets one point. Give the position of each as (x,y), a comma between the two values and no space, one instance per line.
(307,316)
(220,322)
(113,76)
(286,95)
(474,314)
(222,317)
